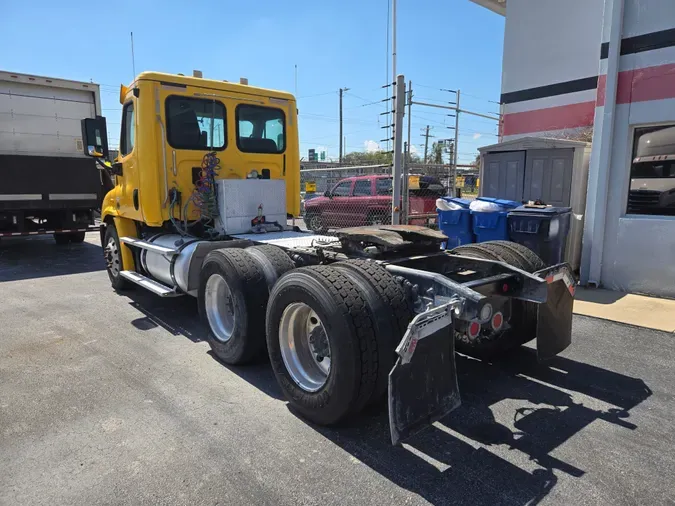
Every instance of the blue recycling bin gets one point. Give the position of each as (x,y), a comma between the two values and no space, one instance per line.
(543,229)
(456,224)
(492,225)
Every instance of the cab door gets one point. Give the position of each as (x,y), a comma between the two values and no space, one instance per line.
(128,198)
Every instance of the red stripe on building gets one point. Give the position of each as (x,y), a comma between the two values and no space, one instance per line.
(641,85)
(551,118)
(638,85)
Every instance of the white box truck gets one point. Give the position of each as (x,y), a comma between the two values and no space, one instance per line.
(47,184)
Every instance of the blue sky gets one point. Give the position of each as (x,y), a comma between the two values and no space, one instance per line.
(441,44)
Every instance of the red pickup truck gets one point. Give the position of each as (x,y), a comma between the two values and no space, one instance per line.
(366,200)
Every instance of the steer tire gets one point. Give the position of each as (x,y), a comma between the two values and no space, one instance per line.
(390,307)
(523,319)
(242,340)
(343,311)
(272,260)
(112,240)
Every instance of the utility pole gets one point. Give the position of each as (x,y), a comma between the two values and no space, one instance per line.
(454,154)
(397,171)
(406,168)
(426,144)
(342,90)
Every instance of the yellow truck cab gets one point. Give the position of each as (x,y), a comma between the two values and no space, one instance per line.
(162,180)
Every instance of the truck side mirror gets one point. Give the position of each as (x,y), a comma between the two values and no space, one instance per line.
(95,137)
(327,194)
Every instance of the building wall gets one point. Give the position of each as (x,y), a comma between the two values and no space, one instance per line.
(554,83)
(627,252)
(550,66)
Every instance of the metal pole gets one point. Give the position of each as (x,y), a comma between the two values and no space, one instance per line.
(455,147)
(426,144)
(342,90)
(340,155)
(394,77)
(397,169)
(406,166)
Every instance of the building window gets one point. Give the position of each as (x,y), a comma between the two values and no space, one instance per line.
(260,129)
(192,121)
(128,127)
(652,172)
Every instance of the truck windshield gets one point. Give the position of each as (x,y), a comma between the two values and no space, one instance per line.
(261,129)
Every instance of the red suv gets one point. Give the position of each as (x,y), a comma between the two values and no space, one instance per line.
(366,200)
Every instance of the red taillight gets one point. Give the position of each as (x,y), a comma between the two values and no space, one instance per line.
(474,329)
(497,321)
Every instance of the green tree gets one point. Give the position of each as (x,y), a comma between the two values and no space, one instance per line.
(367,158)
(436,154)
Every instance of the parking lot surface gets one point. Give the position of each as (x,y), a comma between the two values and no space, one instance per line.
(110,398)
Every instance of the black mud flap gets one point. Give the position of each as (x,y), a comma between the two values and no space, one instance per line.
(554,317)
(423,383)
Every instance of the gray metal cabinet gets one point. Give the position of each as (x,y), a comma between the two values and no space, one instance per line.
(536,168)
(503,175)
(548,176)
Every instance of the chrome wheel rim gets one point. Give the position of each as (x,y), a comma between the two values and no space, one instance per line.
(305,347)
(315,222)
(112,257)
(219,305)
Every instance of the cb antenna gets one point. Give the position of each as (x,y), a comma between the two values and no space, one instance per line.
(133,60)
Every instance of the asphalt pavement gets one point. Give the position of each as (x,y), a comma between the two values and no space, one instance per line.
(110,398)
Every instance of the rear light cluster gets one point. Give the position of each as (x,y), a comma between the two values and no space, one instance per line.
(496,322)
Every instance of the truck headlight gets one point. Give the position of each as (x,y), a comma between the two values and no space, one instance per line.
(252,175)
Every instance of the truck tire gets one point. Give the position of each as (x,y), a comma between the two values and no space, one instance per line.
(232,301)
(76,237)
(322,343)
(61,239)
(272,260)
(314,222)
(529,258)
(112,253)
(390,307)
(523,314)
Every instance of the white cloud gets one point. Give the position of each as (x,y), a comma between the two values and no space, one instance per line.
(371,146)
(477,136)
(413,149)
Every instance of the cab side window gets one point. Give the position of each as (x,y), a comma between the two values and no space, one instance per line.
(128,129)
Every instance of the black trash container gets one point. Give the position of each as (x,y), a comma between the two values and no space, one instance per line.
(543,229)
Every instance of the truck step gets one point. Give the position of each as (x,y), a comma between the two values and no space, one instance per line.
(150,284)
(139,243)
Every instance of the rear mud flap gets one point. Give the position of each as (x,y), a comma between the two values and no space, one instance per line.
(423,383)
(554,318)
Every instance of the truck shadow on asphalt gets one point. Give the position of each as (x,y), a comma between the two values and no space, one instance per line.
(513,406)
(40,257)
(180,317)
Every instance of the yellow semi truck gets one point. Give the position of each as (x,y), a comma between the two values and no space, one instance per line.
(205,184)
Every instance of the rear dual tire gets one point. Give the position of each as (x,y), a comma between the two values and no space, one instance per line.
(234,286)
(360,354)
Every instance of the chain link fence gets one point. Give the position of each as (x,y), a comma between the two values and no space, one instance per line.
(335,196)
